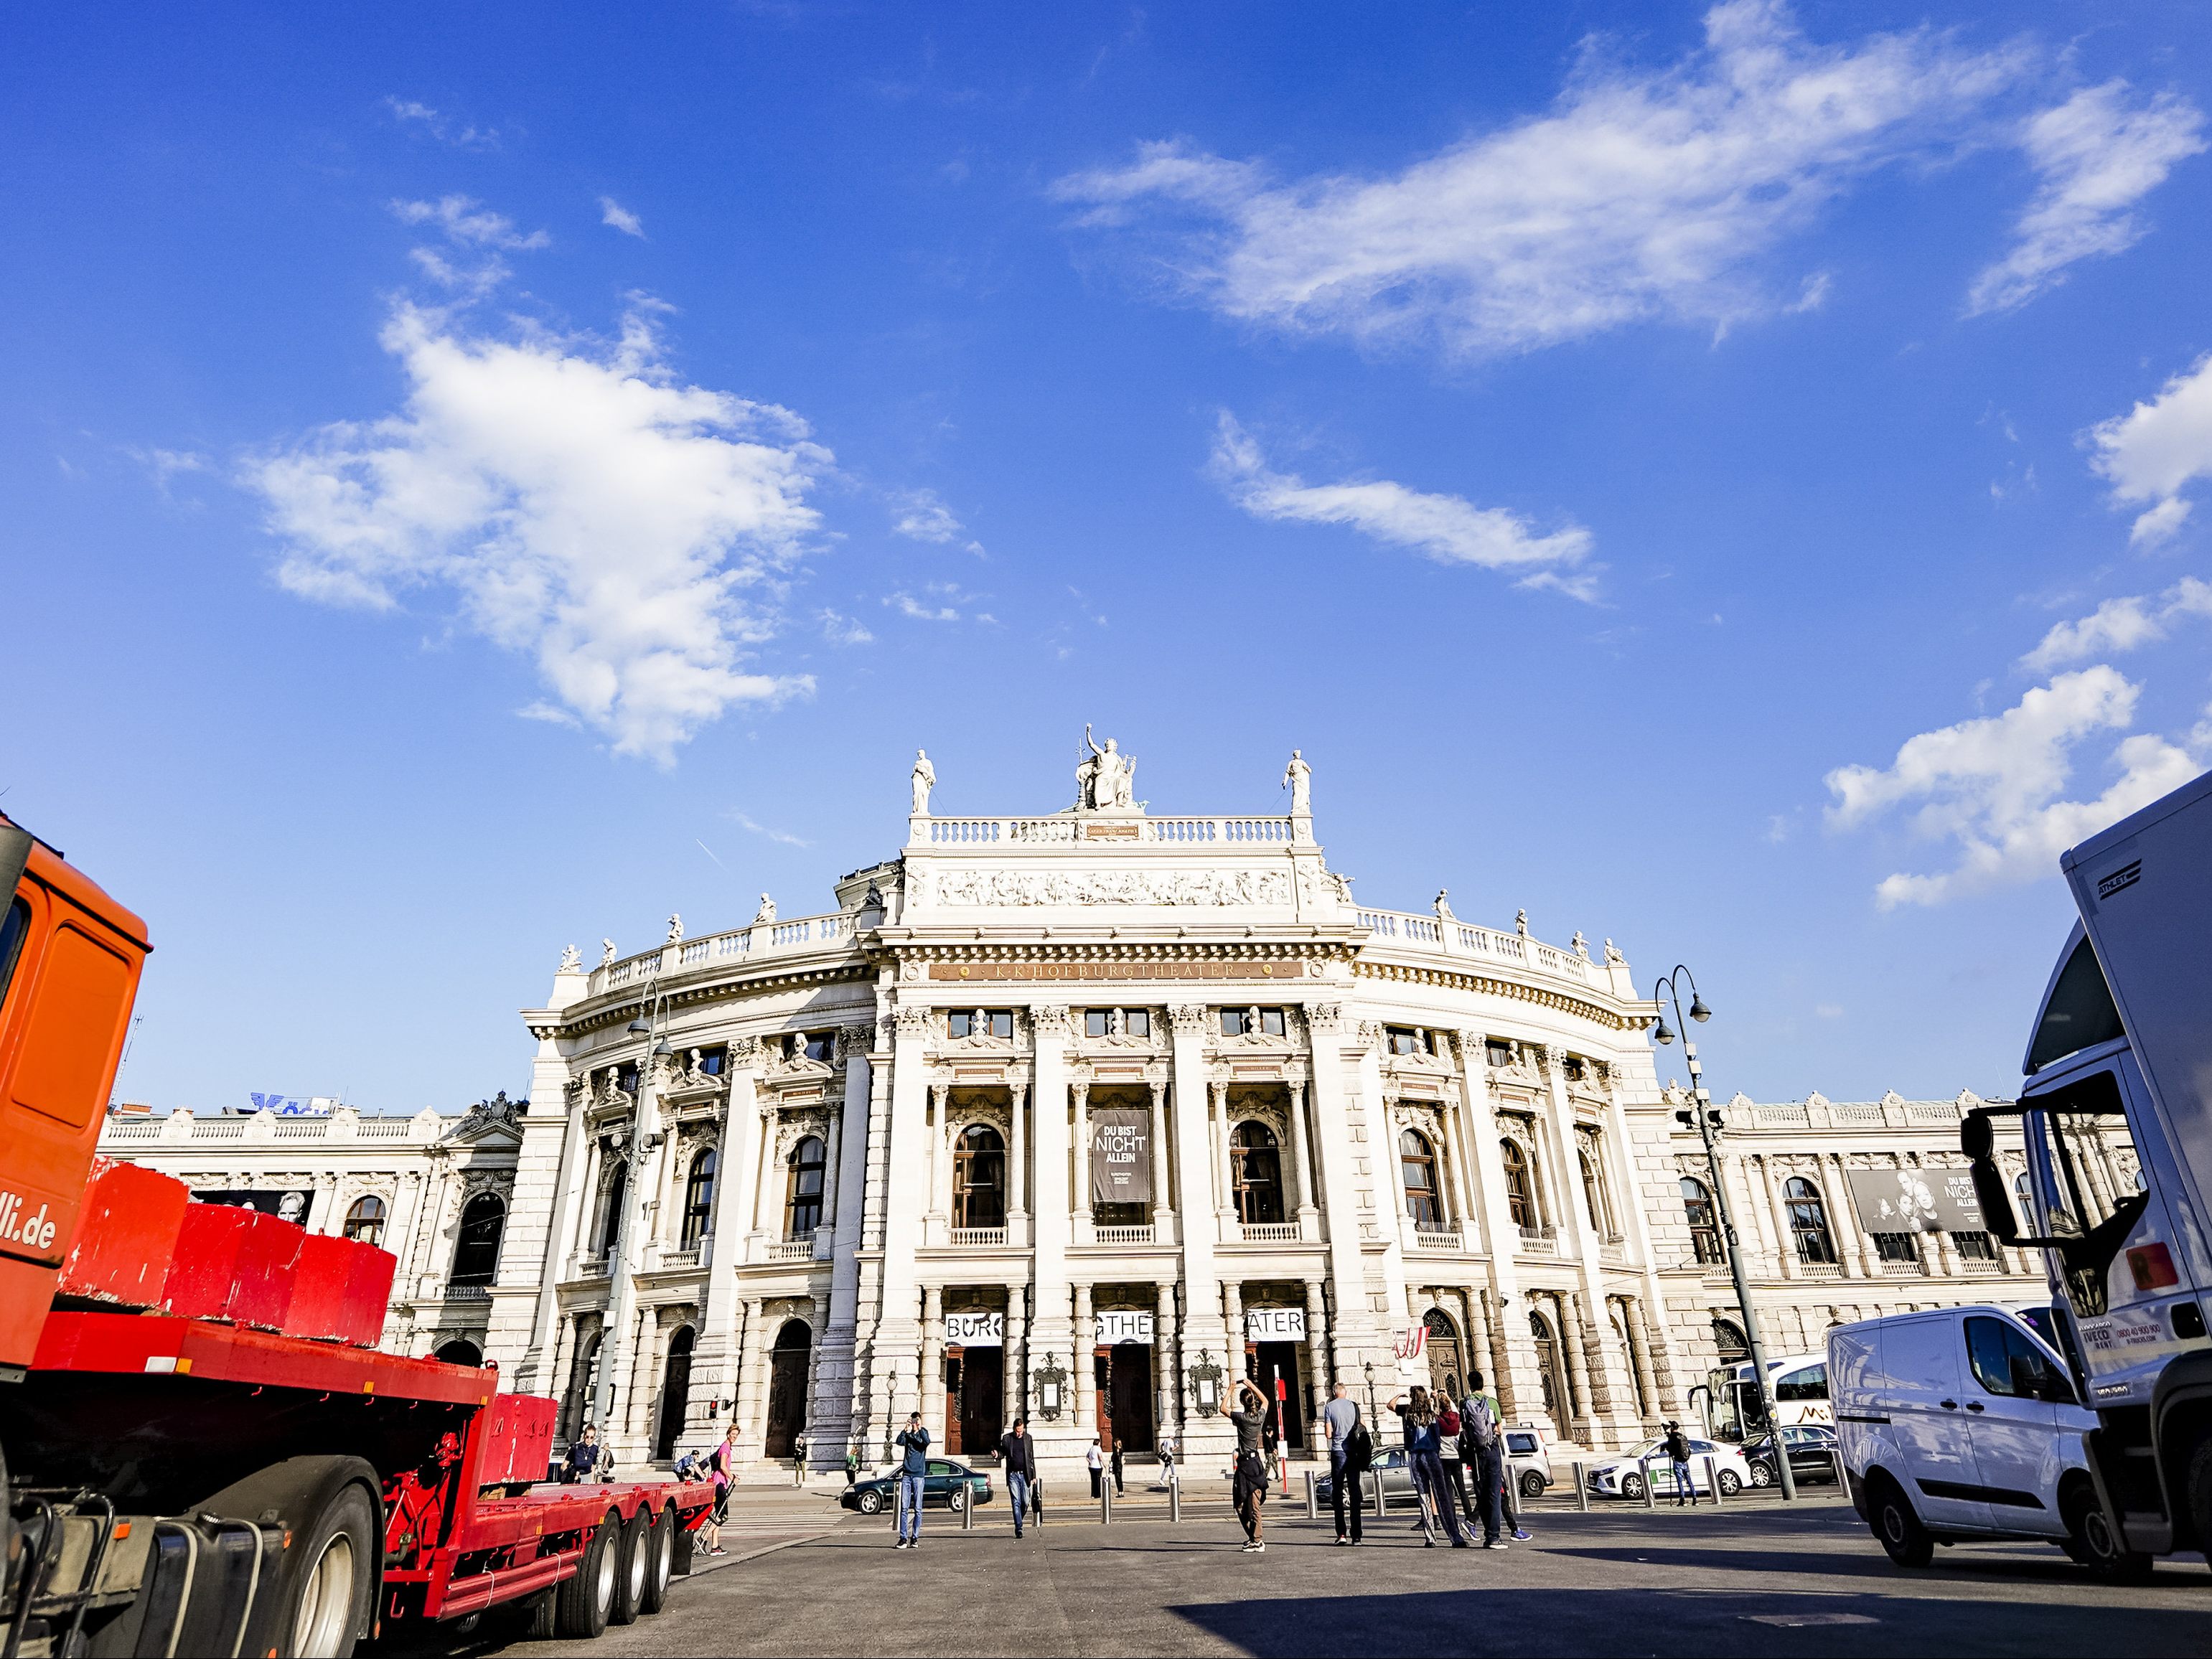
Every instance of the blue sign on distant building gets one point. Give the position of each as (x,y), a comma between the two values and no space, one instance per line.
(289,1105)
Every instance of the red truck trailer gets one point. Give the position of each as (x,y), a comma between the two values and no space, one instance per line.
(201,1449)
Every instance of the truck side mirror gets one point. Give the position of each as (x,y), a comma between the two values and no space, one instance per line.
(1978,1140)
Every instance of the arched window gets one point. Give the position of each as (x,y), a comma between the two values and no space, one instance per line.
(1520,1195)
(365,1220)
(1704,1224)
(1446,1362)
(699,1199)
(1808,1220)
(476,1249)
(979,1178)
(611,1213)
(1257,1167)
(1423,1202)
(1594,1195)
(803,1188)
(460,1352)
(1728,1343)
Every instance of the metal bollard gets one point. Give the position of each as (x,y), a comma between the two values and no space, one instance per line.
(1582,1489)
(1713,1480)
(1382,1501)
(1105,1501)
(1650,1499)
(968,1511)
(1175,1496)
(1843,1476)
(1313,1497)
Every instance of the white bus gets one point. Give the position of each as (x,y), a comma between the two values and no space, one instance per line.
(1801,1395)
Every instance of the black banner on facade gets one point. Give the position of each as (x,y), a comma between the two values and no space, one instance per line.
(1120,1156)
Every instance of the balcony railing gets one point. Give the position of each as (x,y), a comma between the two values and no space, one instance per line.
(799,933)
(1460,938)
(791,1250)
(1142,1234)
(1063,828)
(591,1267)
(1438,1238)
(986,1237)
(1540,1240)
(688,1256)
(1819,1270)
(1269,1233)
(1902,1269)
(452,1292)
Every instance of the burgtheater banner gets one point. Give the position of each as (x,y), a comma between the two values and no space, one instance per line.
(1120,1156)
(1911,1200)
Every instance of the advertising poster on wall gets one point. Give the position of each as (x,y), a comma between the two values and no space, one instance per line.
(287,1204)
(1909,1200)
(1120,1156)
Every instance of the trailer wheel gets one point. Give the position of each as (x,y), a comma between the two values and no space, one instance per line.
(680,1544)
(537,1620)
(660,1559)
(583,1600)
(632,1545)
(327,1595)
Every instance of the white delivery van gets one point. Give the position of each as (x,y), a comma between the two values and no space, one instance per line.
(1961,1424)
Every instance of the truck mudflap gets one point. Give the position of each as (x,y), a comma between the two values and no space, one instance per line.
(98,1583)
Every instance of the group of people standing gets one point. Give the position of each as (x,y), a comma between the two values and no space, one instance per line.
(1452,1438)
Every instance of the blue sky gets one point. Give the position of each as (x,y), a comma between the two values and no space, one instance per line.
(481,479)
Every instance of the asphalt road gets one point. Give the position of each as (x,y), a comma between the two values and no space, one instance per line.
(1754,1579)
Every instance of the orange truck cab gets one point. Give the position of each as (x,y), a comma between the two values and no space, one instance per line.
(70,961)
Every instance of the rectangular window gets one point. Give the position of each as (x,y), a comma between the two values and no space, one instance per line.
(1974,1246)
(1895,1247)
(1096,1021)
(1575,1069)
(1404,1040)
(1500,1052)
(980,1022)
(1232,1022)
(1002,1023)
(1271,1021)
(960,1023)
(1137,1021)
(822,1046)
(712,1061)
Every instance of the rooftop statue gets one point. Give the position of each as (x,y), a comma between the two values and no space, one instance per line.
(1106,778)
(1297,778)
(925,779)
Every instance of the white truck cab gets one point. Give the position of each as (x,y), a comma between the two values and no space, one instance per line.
(1960,1424)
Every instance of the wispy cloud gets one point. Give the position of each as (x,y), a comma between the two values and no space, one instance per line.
(418,117)
(907,605)
(1645,194)
(468,221)
(920,516)
(2097,154)
(2119,624)
(626,529)
(1445,528)
(2156,449)
(1993,788)
(840,629)
(747,823)
(612,212)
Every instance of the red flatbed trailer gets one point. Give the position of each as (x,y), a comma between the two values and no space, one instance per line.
(201,1449)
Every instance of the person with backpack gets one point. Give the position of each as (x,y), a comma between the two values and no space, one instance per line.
(1450,1452)
(1482,1448)
(1678,1454)
(1418,1414)
(1351,1455)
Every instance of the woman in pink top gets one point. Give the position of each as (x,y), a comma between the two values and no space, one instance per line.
(722,1468)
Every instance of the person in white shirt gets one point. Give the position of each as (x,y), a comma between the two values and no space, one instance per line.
(1095,1460)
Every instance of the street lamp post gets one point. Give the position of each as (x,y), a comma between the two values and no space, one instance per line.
(1706,1117)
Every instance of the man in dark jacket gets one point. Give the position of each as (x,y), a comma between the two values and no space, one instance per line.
(1678,1454)
(913,1468)
(1018,1456)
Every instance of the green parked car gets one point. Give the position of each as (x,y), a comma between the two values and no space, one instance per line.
(948,1486)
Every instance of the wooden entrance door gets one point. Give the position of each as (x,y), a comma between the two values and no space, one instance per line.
(1125,1397)
(787,1389)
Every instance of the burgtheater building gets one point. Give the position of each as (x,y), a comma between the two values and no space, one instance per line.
(1082,1113)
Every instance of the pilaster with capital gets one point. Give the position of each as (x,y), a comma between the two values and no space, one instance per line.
(1080,1219)
(1163,1194)
(1200,1222)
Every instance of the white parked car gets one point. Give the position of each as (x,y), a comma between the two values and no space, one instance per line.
(1962,1423)
(1623,1476)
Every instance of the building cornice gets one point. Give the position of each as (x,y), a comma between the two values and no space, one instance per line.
(1614,1016)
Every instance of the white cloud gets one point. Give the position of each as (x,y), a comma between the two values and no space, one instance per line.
(2120,624)
(1445,528)
(1992,786)
(907,605)
(468,221)
(840,629)
(2097,157)
(1643,194)
(919,515)
(413,113)
(624,529)
(2151,452)
(612,212)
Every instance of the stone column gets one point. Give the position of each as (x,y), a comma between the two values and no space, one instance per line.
(768,1221)
(1851,1244)
(1199,1224)
(1232,1311)
(931,1363)
(1319,1372)
(832,1163)
(1454,1152)
(938,1219)
(1582,1410)
(1017,1167)
(1639,1335)
(1225,1183)
(1787,1248)
(1512,1402)
(1162,1195)
(745,1409)
(1167,1351)
(1013,1388)
(1085,1381)
(819,1454)
(1081,1220)
(1304,1211)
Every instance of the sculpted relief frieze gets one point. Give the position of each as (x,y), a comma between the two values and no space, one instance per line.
(1024,887)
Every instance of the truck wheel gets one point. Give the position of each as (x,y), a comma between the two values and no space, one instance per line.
(1532,1484)
(632,1543)
(582,1601)
(2089,1538)
(325,1596)
(1898,1528)
(659,1560)
(537,1617)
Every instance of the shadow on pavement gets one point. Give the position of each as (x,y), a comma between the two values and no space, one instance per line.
(1658,1621)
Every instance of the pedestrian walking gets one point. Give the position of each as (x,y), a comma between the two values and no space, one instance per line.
(1482,1453)
(583,1456)
(1351,1454)
(913,1468)
(1678,1453)
(1248,1482)
(852,1466)
(722,1470)
(1167,1462)
(1418,1414)
(1018,1457)
(799,1461)
(1449,1422)
(1095,1461)
(1117,1468)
